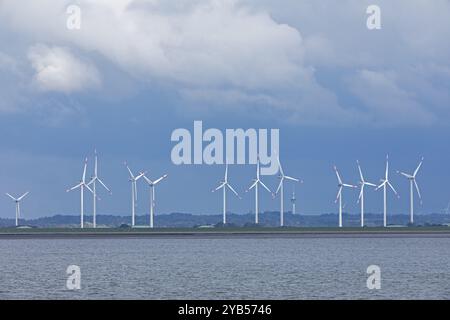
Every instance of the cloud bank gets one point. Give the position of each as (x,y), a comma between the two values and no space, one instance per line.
(57,69)
(316,65)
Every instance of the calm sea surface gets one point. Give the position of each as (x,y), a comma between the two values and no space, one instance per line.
(228,268)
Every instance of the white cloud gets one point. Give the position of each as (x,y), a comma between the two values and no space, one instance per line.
(389,104)
(244,52)
(194,43)
(57,69)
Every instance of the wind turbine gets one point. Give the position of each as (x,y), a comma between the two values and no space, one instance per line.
(152,185)
(341,185)
(82,185)
(93,181)
(280,188)
(133,180)
(223,185)
(447,209)
(362,183)
(17,201)
(384,183)
(412,181)
(255,184)
(293,199)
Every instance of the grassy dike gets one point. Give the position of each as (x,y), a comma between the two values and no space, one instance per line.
(223,232)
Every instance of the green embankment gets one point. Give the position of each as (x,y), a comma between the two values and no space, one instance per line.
(261,230)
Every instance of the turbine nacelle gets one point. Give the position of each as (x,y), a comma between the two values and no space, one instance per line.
(412,178)
(341,184)
(16,200)
(82,182)
(282,177)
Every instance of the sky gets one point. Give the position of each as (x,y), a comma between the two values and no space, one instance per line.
(137,70)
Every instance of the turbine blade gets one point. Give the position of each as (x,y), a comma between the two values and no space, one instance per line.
(405,174)
(292,179)
(253,185)
(23,196)
(89,188)
(387,167)
(418,168)
(160,179)
(338,194)
(279,185)
(104,186)
(75,187)
(360,171)
(257,168)
(11,196)
(232,190)
(265,187)
(337,175)
(279,165)
(220,186)
(226,172)
(95,164)
(129,171)
(142,174)
(150,182)
(84,170)
(91,181)
(370,184)
(349,185)
(418,190)
(361,192)
(381,185)
(393,189)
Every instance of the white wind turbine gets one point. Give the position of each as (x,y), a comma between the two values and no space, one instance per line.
(293,200)
(280,188)
(255,184)
(93,182)
(224,185)
(152,185)
(384,183)
(341,185)
(446,210)
(17,201)
(82,185)
(362,183)
(412,181)
(133,180)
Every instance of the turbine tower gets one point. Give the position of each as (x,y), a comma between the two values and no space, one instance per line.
(82,185)
(293,199)
(341,185)
(384,183)
(412,181)
(133,180)
(362,183)
(256,183)
(93,182)
(224,185)
(152,185)
(280,188)
(447,209)
(17,201)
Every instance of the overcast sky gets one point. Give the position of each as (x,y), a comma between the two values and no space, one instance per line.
(137,70)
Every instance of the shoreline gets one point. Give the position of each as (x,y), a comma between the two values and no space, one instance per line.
(222,234)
